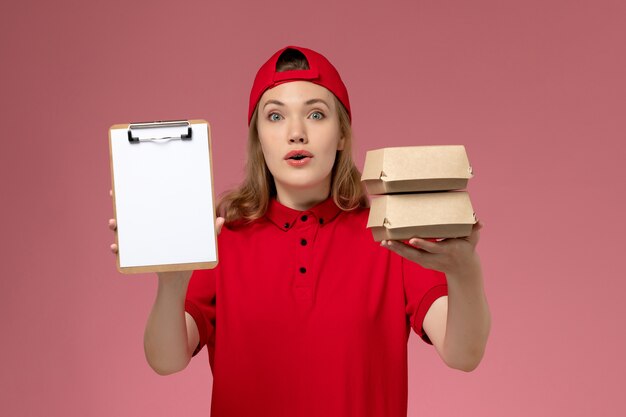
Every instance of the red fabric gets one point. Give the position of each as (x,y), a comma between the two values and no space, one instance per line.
(320,72)
(329,339)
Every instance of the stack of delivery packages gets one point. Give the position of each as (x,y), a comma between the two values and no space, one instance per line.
(418,188)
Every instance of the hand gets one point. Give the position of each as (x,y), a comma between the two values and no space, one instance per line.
(219,222)
(450,256)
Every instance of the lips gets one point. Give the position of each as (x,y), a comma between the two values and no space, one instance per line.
(298,155)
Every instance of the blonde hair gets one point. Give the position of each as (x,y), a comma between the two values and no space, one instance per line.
(249,201)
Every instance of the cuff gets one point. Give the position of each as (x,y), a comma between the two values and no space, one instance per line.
(428,300)
(199,319)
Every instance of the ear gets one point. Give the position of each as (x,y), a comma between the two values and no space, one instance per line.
(341,144)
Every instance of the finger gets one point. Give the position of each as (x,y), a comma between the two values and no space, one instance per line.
(406,251)
(219,222)
(113,248)
(432,247)
(112,224)
(475,235)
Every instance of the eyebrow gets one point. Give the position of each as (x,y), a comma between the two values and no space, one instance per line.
(308,102)
(317,100)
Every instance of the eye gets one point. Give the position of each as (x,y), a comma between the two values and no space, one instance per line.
(274,117)
(317,115)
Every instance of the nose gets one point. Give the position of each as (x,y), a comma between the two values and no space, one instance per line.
(300,139)
(297,132)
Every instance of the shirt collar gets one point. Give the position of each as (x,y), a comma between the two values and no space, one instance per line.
(285,217)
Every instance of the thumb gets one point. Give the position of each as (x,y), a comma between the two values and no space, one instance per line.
(219,222)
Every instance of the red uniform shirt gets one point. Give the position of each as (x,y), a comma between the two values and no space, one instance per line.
(306,315)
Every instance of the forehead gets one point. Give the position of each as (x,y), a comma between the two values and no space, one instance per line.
(297,92)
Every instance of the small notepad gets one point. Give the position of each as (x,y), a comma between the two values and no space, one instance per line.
(163,196)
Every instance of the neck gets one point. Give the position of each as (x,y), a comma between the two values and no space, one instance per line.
(302,199)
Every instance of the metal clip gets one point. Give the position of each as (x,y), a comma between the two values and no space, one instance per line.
(152,125)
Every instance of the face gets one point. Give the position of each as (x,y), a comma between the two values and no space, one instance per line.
(299,131)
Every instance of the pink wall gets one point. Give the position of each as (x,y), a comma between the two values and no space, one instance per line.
(536,90)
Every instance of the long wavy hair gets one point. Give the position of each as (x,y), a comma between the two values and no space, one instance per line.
(250,199)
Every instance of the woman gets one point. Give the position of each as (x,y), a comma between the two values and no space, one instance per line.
(305,314)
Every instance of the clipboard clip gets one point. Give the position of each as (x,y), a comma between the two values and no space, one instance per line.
(152,125)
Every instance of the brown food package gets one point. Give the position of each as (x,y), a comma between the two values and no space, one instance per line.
(416,169)
(426,215)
